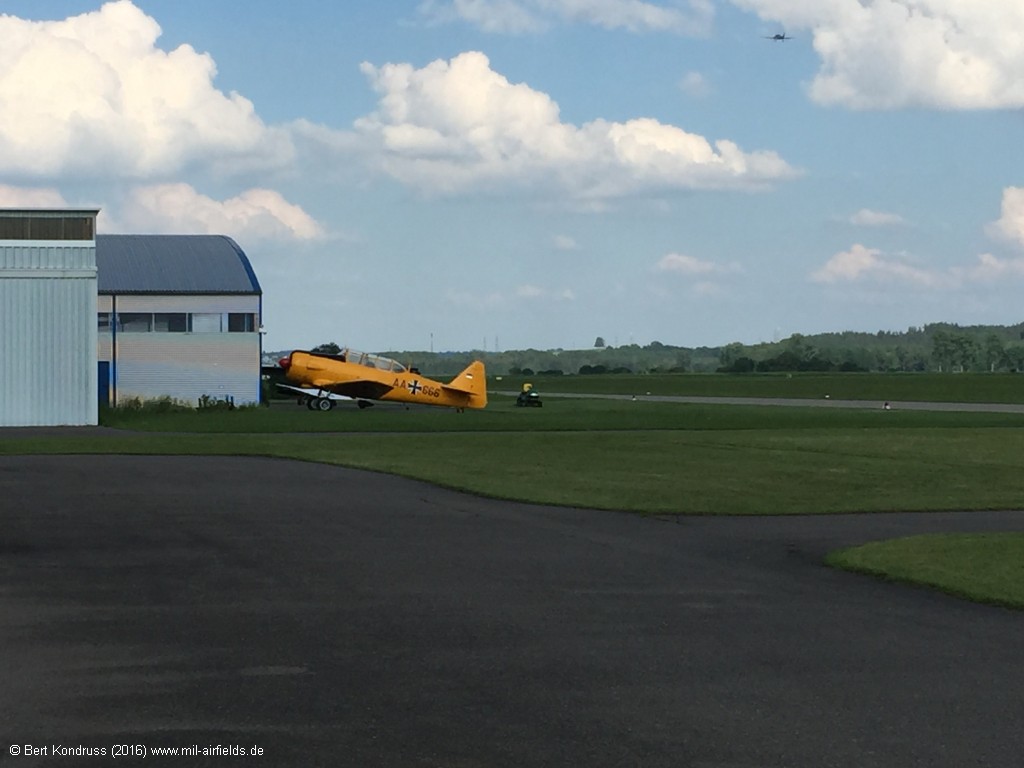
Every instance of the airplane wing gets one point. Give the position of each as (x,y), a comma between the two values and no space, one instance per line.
(315,392)
(362,389)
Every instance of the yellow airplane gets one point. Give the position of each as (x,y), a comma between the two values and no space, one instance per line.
(324,379)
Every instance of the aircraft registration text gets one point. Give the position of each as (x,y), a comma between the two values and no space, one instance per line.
(416,388)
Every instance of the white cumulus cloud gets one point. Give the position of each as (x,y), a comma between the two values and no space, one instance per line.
(891,54)
(31,197)
(868,218)
(691,17)
(690,265)
(94,95)
(1010,225)
(493,300)
(531,292)
(458,125)
(255,214)
(694,84)
(860,264)
(498,16)
(991,269)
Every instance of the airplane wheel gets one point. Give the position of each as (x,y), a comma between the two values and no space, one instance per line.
(311,403)
(324,404)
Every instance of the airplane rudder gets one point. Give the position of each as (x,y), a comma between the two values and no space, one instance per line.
(479,397)
(473,380)
(479,377)
(473,376)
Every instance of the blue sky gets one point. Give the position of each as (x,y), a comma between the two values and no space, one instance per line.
(499,174)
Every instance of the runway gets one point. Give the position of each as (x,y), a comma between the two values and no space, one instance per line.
(333,617)
(797,402)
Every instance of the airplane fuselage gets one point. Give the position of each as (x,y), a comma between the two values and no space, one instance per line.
(422,390)
(370,377)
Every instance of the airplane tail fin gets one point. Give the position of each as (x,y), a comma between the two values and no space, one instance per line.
(472,381)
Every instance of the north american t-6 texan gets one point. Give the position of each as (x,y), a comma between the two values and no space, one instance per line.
(323,379)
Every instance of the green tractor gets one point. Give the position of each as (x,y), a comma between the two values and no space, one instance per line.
(528,398)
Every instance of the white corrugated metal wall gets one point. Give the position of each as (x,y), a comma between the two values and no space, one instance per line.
(48,372)
(183,366)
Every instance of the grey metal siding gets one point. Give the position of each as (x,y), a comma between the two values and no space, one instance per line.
(47,335)
(47,255)
(182,303)
(186,366)
(183,366)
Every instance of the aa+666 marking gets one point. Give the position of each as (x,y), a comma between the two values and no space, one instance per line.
(415,388)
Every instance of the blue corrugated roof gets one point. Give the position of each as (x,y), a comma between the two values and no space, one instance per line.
(193,264)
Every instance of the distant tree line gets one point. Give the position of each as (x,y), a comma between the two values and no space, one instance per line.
(938,347)
(942,347)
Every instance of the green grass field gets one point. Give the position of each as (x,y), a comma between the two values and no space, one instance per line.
(986,568)
(925,387)
(641,457)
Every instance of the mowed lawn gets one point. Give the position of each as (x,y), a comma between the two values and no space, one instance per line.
(925,387)
(984,567)
(642,457)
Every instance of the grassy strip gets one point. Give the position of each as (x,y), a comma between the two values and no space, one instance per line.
(926,387)
(741,472)
(983,567)
(560,415)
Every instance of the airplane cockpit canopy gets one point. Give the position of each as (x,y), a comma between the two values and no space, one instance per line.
(373,361)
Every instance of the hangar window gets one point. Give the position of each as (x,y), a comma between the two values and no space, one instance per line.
(241,322)
(179,322)
(47,228)
(14,228)
(204,322)
(170,322)
(135,322)
(79,228)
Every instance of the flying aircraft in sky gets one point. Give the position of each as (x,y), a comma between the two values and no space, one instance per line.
(324,379)
(777,36)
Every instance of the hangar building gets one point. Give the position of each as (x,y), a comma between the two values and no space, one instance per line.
(178,316)
(48,373)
